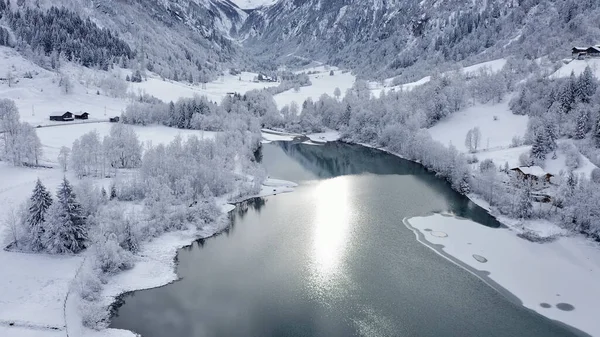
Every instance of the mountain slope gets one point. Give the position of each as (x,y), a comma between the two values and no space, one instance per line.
(380,38)
(174,38)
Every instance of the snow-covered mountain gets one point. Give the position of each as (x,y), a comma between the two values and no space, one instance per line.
(383,37)
(177,37)
(251,4)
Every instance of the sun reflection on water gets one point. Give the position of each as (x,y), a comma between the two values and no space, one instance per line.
(332,225)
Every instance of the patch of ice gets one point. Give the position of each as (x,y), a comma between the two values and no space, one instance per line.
(534,272)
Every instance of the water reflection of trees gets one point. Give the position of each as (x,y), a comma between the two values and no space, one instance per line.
(338,159)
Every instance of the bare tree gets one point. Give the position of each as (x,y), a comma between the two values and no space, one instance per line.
(10,78)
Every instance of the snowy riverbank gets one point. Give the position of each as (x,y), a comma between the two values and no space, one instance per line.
(556,279)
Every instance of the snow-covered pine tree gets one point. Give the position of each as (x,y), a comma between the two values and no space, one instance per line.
(39,203)
(581,124)
(65,229)
(586,85)
(539,147)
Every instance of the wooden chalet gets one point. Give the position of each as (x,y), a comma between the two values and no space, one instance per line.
(84,115)
(534,174)
(579,52)
(583,52)
(593,51)
(66,117)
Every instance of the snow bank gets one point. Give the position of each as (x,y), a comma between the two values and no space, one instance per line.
(545,277)
(577,67)
(313,139)
(34,288)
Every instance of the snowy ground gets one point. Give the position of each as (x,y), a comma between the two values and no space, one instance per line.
(542,276)
(215,91)
(322,83)
(495,134)
(577,67)
(39,97)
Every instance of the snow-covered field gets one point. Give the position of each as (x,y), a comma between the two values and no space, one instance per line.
(214,91)
(322,83)
(556,279)
(39,97)
(495,134)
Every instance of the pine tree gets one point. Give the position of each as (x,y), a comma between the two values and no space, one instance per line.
(581,125)
(539,147)
(39,203)
(586,85)
(65,228)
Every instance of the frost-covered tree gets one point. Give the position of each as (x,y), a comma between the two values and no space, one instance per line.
(20,143)
(337,93)
(65,229)
(523,207)
(123,147)
(473,139)
(469,141)
(65,84)
(39,202)
(63,157)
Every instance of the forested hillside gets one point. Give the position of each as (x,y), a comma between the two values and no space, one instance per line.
(59,32)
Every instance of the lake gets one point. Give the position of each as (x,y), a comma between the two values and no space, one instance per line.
(333,258)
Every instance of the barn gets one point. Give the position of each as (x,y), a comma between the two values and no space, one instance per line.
(84,115)
(66,117)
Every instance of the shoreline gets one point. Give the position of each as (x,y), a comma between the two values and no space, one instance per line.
(483,275)
(155,266)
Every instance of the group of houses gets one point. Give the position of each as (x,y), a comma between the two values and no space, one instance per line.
(69,116)
(583,52)
(536,175)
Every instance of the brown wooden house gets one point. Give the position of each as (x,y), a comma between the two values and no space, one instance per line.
(84,115)
(66,117)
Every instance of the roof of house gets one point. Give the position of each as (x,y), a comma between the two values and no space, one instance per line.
(594,49)
(532,170)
